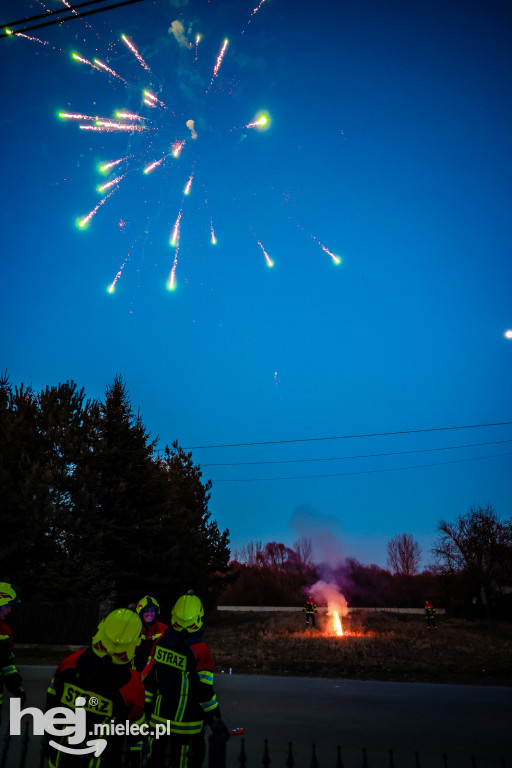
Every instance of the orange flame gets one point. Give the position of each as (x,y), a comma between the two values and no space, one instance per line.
(336,622)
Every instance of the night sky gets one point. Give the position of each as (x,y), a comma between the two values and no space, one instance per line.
(388,143)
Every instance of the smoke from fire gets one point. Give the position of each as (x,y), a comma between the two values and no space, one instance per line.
(328,592)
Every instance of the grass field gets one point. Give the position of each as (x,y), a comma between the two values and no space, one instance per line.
(375,646)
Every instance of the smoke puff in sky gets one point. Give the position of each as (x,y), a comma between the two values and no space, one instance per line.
(190,126)
(177,29)
(325,534)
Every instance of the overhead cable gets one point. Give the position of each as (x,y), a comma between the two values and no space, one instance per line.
(358,456)
(346,437)
(62,18)
(361,472)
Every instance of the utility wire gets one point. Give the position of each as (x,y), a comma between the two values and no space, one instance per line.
(58,11)
(63,19)
(361,472)
(358,456)
(347,437)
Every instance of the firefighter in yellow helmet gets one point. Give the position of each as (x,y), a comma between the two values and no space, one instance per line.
(100,679)
(9,675)
(179,688)
(152,629)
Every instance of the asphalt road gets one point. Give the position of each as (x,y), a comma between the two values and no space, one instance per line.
(432,720)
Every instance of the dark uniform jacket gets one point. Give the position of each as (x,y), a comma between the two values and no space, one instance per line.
(150,633)
(119,694)
(9,675)
(179,683)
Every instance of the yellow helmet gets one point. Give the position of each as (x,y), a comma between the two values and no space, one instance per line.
(187,614)
(8,594)
(147,602)
(118,636)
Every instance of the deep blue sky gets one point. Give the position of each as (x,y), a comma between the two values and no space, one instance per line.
(390,143)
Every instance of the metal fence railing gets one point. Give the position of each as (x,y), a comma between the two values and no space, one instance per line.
(29,752)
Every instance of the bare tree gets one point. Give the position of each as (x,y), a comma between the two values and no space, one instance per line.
(477,545)
(303,552)
(404,554)
(251,555)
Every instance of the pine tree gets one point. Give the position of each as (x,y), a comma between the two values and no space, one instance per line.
(90,512)
(127,493)
(69,427)
(199,551)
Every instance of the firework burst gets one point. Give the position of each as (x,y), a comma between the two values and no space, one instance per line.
(159,140)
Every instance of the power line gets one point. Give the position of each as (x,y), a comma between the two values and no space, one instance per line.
(359,456)
(58,11)
(62,19)
(347,437)
(361,472)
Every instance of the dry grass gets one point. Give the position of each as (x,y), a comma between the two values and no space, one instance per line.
(375,646)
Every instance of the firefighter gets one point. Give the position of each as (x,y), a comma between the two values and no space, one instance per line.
(152,629)
(179,689)
(310,610)
(9,675)
(430,615)
(102,677)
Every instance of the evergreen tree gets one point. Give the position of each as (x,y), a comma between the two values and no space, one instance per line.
(89,512)
(195,550)
(69,427)
(127,491)
(25,499)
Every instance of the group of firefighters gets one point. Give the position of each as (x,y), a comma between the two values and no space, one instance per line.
(136,669)
(140,670)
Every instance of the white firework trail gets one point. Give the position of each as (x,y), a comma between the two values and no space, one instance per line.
(77,116)
(152,166)
(171,284)
(10,32)
(108,125)
(83,223)
(188,186)
(110,71)
(113,163)
(255,11)
(129,116)
(177,147)
(111,183)
(269,261)
(175,236)
(81,59)
(135,52)
(218,62)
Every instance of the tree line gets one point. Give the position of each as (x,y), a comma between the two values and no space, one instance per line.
(90,511)
(471,573)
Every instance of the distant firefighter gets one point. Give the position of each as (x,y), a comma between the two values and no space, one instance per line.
(430,615)
(310,610)
(152,629)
